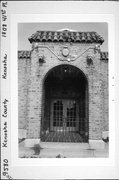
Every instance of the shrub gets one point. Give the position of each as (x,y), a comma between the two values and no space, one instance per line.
(37,148)
(106,140)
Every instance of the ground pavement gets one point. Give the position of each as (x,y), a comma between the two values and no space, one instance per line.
(62,150)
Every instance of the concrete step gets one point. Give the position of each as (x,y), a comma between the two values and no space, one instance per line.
(64,145)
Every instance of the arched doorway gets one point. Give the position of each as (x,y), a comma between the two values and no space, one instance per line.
(65,111)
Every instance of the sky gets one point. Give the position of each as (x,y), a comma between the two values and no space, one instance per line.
(25,30)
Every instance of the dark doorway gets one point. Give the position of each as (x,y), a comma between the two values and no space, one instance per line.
(65,115)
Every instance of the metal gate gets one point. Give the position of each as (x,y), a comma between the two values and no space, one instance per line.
(64,115)
(65,124)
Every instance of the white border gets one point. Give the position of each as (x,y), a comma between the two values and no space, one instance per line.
(37,18)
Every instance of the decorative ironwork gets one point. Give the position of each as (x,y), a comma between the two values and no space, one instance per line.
(60,136)
(65,115)
(58,114)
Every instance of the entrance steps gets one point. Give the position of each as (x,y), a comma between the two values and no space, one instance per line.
(65,150)
(64,145)
(62,150)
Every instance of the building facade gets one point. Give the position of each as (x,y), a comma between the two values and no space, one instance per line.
(63,88)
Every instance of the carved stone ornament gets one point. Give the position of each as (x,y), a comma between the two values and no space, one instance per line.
(65,51)
(89,60)
(41,59)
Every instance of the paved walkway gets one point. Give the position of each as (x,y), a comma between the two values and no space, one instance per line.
(63,150)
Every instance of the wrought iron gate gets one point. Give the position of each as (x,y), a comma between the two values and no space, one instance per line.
(64,115)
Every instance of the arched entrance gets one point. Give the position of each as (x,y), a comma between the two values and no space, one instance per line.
(65,111)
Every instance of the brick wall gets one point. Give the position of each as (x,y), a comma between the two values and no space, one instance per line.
(105,94)
(31,80)
(23,80)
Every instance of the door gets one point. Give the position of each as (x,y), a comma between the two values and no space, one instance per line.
(64,115)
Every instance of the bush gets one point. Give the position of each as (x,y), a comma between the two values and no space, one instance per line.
(37,148)
(60,156)
(106,140)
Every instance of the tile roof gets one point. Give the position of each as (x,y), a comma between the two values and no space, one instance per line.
(27,54)
(104,55)
(66,36)
(24,54)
